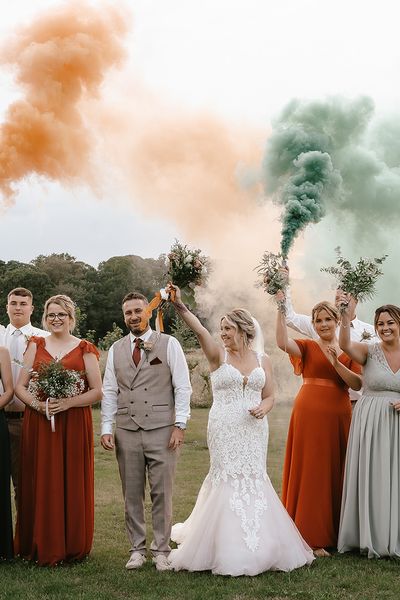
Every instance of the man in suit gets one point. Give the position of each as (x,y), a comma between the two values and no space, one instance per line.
(15,338)
(146,393)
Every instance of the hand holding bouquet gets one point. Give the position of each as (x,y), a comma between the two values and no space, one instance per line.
(52,383)
(274,276)
(187,269)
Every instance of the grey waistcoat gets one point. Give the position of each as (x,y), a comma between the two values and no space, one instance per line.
(145,392)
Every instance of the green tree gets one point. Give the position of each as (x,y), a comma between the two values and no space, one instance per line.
(184,334)
(116,277)
(73,278)
(111,336)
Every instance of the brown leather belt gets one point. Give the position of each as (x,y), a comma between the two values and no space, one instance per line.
(13,414)
(320,381)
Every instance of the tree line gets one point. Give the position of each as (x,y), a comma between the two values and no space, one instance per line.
(97,292)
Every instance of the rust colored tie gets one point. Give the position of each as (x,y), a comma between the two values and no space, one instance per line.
(136,352)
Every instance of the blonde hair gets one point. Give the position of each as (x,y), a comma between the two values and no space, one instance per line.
(330,309)
(67,304)
(242,321)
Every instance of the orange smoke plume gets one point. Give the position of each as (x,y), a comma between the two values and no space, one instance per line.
(60,59)
(195,170)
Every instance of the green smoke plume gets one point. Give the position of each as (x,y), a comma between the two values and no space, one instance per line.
(325,156)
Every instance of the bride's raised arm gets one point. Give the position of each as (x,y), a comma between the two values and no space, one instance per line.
(211,348)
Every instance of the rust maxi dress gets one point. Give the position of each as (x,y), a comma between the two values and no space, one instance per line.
(55,519)
(316,446)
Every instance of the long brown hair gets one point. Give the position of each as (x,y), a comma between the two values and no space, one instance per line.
(392,309)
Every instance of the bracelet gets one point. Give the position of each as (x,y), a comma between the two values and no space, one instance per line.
(35,404)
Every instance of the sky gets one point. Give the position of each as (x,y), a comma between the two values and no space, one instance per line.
(227,67)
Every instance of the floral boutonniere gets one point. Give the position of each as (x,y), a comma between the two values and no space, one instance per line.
(366,335)
(147,347)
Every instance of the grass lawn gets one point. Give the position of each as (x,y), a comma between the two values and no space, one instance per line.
(103,576)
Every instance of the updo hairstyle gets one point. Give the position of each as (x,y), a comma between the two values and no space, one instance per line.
(242,321)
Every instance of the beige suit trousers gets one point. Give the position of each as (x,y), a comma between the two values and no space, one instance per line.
(142,454)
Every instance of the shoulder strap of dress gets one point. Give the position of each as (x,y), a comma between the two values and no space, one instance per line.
(225,355)
(259,358)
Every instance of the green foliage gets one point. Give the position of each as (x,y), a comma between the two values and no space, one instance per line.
(97,292)
(360,280)
(91,336)
(111,336)
(115,278)
(186,267)
(184,334)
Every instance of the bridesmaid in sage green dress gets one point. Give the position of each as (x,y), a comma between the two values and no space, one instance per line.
(370,516)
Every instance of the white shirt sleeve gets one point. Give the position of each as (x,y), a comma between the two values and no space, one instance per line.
(301,323)
(180,380)
(363,332)
(110,395)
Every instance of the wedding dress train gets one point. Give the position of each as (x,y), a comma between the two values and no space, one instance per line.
(238,525)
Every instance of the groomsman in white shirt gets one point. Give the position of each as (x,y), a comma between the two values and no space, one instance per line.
(146,394)
(15,338)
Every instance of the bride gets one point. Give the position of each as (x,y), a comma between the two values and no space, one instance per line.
(238,525)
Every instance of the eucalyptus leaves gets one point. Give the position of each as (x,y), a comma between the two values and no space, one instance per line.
(358,280)
(273,275)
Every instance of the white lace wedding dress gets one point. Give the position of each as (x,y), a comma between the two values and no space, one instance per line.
(238,525)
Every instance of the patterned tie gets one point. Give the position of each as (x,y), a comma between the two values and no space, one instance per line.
(136,352)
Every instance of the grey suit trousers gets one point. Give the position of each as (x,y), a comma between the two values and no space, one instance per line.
(142,454)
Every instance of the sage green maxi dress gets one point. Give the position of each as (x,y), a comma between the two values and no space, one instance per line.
(370,515)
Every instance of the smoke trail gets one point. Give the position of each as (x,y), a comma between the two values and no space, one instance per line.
(303,195)
(306,158)
(60,59)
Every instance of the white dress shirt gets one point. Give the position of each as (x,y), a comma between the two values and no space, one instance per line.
(180,382)
(27,331)
(359,330)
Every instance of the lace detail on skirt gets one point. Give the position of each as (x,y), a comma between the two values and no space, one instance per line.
(238,445)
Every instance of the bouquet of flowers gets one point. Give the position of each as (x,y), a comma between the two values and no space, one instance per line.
(53,380)
(186,268)
(273,275)
(358,280)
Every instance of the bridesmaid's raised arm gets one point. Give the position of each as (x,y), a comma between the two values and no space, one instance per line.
(358,351)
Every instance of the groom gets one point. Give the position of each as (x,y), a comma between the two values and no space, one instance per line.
(146,393)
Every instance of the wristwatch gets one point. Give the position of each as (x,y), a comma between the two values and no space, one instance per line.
(181,426)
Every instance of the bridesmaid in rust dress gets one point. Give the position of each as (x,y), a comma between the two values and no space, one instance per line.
(55,518)
(319,428)
(6,535)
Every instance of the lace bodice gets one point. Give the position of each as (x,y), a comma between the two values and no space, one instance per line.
(378,376)
(238,443)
